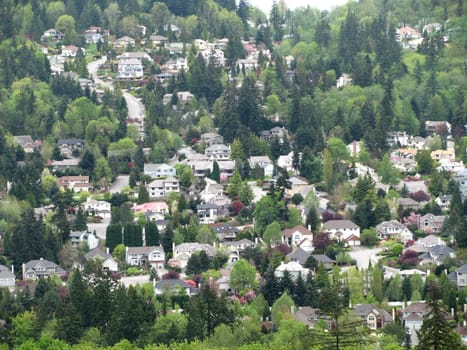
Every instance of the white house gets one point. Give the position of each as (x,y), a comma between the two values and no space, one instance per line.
(294,269)
(142,256)
(130,69)
(262,162)
(343,230)
(182,252)
(7,278)
(298,236)
(218,152)
(207,213)
(393,229)
(95,207)
(174,287)
(162,187)
(159,170)
(108,262)
(87,237)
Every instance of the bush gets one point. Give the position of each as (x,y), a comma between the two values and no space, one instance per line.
(134,271)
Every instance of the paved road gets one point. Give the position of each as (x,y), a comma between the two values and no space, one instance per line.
(121,182)
(363,256)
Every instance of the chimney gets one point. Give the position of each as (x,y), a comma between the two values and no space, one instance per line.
(12,268)
(393,314)
(107,250)
(452,312)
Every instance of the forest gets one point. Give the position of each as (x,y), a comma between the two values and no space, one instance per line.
(302,55)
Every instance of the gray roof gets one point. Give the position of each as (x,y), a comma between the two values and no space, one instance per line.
(172,283)
(5,272)
(364,309)
(321,258)
(462,269)
(145,250)
(339,224)
(33,263)
(207,206)
(97,253)
(300,256)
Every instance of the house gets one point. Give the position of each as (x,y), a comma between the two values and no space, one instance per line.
(374,317)
(182,252)
(430,223)
(95,207)
(286,162)
(262,162)
(87,237)
(225,232)
(238,246)
(72,51)
(226,168)
(442,154)
(174,287)
(130,69)
(124,42)
(158,40)
(407,203)
(183,97)
(417,142)
(276,132)
(212,190)
(393,229)
(26,143)
(162,187)
(397,138)
(390,272)
(450,166)
(94,35)
(159,170)
(7,278)
(52,34)
(108,262)
(35,269)
(461,276)
(299,255)
(295,236)
(293,268)
(135,55)
(325,260)
(70,146)
(310,316)
(412,319)
(442,128)
(444,201)
(462,181)
(405,34)
(207,213)
(65,164)
(218,152)
(75,183)
(143,256)
(211,138)
(437,254)
(424,244)
(175,65)
(153,211)
(298,185)
(342,230)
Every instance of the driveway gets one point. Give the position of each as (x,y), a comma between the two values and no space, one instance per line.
(120,183)
(364,255)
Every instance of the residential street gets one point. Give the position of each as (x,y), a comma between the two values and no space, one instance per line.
(364,255)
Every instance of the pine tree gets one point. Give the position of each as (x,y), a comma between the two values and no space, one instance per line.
(152,234)
(436,333)
(271,286)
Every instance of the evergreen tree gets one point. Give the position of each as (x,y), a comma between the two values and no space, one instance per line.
(271,286)
(143,194)
(215,174)
(113,236)
(312,219)
(81,222)
(436,333)
(151,234)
